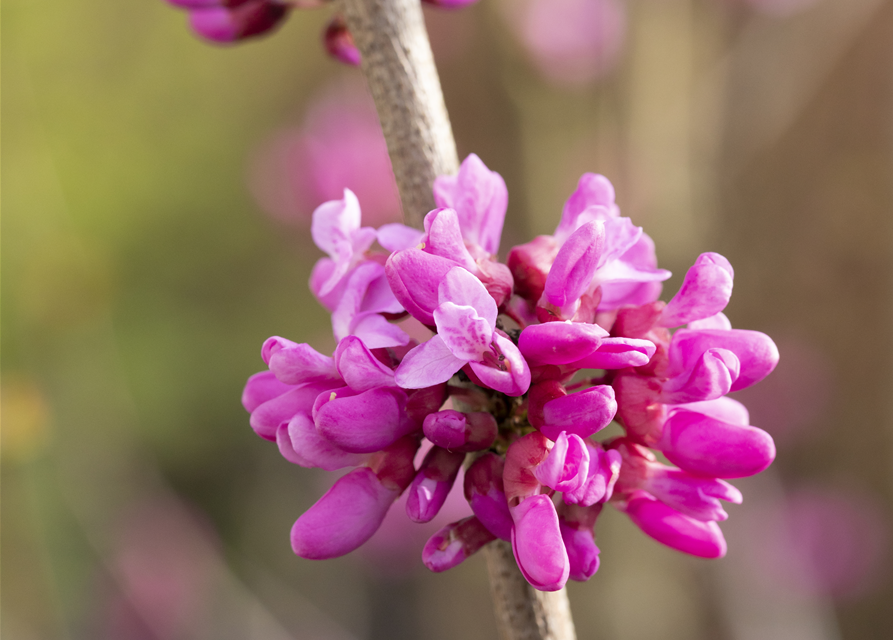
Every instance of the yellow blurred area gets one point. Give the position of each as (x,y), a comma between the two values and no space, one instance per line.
(24,419)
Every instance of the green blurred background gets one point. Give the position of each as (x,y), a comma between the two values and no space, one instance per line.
(139,279)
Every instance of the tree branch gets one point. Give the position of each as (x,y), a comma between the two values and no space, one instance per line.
(522,612)
(399,67)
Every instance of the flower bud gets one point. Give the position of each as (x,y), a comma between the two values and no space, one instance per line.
(432,483)
(486,495)
(576,524)
(338,41)
(538,545)
(567,465)
(461,431)
(454,543)
(224,25)
(582,413)
(530,264)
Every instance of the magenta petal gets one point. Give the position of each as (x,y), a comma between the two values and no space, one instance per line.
(428,364)
(267,417)
(593,190)
(576,524)
(704,292)
(690,495)
(396,237)
(618,353)
(574,266)
(344,518)
(537,544)
(445,428)
(708,447)
(365,422)
(712,376)
(559,342)
(567,466)
(432,484)
(677,531)
(604,469)
(484,492)
(724,409)
(756,352)
(581,552)
(260,388)
(359,368)
(414,277)
(225,25)
(461,432)
(513,378)
(454,543)
(582,413)
(444,238)
(478,195)
(299,442)
(297,363)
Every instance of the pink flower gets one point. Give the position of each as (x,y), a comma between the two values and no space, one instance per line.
(466,335)
(513,346)
(338,146)
(571,42)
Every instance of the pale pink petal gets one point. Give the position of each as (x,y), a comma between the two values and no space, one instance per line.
(396,236)
(462,288)
(428,364)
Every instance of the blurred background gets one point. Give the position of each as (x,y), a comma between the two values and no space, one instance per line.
(156,198)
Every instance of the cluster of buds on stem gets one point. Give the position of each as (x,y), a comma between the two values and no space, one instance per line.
(230,21)
(526,362)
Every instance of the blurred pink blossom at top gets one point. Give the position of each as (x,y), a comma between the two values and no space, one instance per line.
(339,145)
(571,42)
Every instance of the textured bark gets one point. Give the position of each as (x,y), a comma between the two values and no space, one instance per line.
(522,612)
(399,68)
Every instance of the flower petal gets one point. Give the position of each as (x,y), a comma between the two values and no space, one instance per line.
(428,364)
(480,199)
(463,288)
(537,544)
(344,518)
(705,291)
(677,531)
(559,342)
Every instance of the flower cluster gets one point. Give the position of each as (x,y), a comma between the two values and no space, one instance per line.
(230,21)
(526,361)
